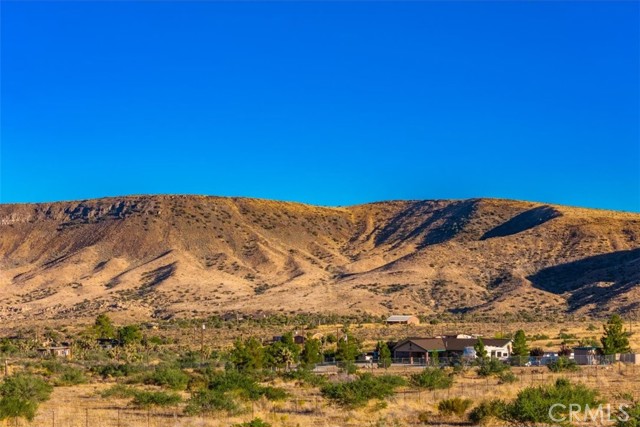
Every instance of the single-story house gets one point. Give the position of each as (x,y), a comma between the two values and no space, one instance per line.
(418,350)
(402,320)
(55,351)
(587,355)
(497,348)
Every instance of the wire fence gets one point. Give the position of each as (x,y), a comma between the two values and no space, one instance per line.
(308,407)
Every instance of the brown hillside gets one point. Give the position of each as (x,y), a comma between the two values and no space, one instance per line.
(182,256)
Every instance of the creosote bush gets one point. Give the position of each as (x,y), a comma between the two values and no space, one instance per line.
(142,398)
(171,378)
(532,404)
(256,422)
(21,394)
(488,411)
(490,367)
(563,364)
(454,406)
(147,399)
(225,389)
(360,391)
(432,379)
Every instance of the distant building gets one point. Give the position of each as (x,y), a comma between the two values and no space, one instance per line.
(585,355)
(63,351)
(107,343)
(402,320)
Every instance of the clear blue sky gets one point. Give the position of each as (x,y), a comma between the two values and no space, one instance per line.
(329,103)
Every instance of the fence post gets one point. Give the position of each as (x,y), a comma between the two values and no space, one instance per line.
(86,417)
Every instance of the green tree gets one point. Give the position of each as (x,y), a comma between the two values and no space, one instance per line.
(129,334)
(481,351)
(435,358)
(103,327)
(520,347)
(280,355)
(20,395)
(348,348)
(248,355)
(615,340)
(384,355)
(311,353)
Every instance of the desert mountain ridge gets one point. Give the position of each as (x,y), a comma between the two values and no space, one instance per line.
(186,256)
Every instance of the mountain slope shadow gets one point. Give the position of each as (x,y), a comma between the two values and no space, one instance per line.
(424,221)
(619,271)
(153,278)
(523,221)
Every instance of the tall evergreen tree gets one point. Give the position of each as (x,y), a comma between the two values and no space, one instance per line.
(614,340)
(520,347)
(311,353)
(103,327)
(481,351)
(384,355)
(248,355)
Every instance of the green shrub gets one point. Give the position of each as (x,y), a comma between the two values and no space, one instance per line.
(507,377)
(172,378)
(71,376)
(148,399)
(532,404)
(242,384)
(223,388)
(52,366)
(454,406)
(563,364)
(305,376)
(432,379)
(490,367)
(209,401)
(21,394)
(487,411)
(364,388)
(256,422)
(424,417)
(632,419)
(117,370)
(118,391)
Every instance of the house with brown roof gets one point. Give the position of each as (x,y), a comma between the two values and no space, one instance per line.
(419,350)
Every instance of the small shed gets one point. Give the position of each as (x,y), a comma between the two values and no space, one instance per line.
(401,319)
(107,343)
(55,351)
(585,355)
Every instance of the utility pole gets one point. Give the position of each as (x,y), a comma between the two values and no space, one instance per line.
(202,344)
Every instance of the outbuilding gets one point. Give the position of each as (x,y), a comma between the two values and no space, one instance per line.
(401,319)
